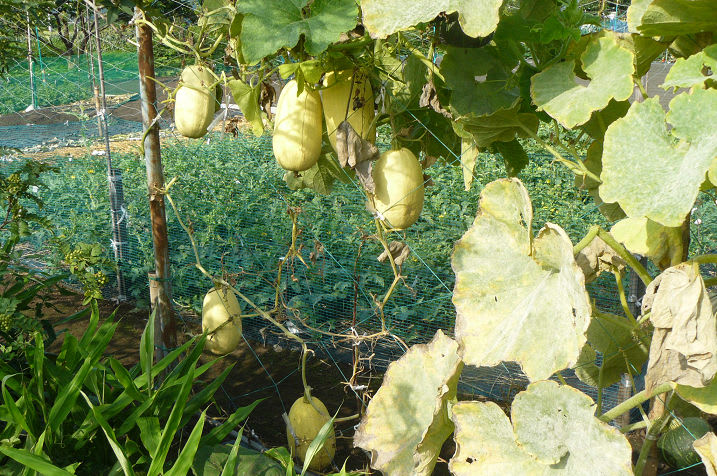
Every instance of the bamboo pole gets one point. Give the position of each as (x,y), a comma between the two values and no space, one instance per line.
(165,322)
(113,177)
(33,106)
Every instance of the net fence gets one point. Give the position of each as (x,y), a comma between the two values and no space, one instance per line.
(232,194)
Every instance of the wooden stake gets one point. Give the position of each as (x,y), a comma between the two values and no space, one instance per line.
(166,325)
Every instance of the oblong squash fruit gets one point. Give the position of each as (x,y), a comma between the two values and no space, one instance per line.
(297,128)
(398,177)
(220,306)
(338,95)
(194,103)
(306,423)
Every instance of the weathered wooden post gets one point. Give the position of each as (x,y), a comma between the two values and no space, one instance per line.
(165,325)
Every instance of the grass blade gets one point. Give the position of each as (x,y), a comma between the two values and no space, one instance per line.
(318,443)
(231,463)
(218,433)
(111,439)
(186,456)
(146,351)
(14,411)
(37,463)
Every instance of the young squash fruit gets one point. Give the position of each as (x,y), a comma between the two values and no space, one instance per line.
(194,104)
(306,423)
(220,306)
(398,177)
(340,95)
(676,443)
(297,128)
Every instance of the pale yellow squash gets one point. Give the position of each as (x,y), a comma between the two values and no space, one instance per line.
(297,128)
(194,104)
(339,95)
(399,188)
(307,422)
(221,306)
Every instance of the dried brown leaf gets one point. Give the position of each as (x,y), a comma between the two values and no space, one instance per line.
(399,250)
(597,257)
(356,153)
(429,97)
(684,343)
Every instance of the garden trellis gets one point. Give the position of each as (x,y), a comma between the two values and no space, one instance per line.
(236,201)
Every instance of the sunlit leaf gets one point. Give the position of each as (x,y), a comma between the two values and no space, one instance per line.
(676,17)
(642,236)
(692,71)
(706,447)
(655,173)
(269,25)
(407,420)
(557,91)
(518,298)
(554,432)
(247,98)
(382,17)
(503,126)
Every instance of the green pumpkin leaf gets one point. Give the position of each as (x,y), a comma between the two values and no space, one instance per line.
(554,431)
(692,71)
(382,18)
(655,173)
(270,25)
(622,352)
(502,126)
(469,154)
(642,236)
(247,98)
(593,162)
(557,91)
(543,326)
(514,156)
(406,422)
(704,398)
(320,177)
(495,90)
(675,17)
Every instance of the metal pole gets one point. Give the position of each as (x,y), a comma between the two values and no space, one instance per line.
(39,55)
(29,60)
(164,318)
(115,205)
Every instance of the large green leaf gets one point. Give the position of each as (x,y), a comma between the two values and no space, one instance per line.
(655,173)
(269,25)
(593,162)
(675,17)
(382,17)
(518,298)
(609,67)
(494,90)
(211,461)
(407,422)
(554,432)
(642,236)
(692,71)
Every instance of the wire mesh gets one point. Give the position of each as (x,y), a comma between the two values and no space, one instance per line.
(233,195)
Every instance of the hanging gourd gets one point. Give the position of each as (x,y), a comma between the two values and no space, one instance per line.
(350,100)
(221,317)
(194,103)
(306,423)
(297,128)
(398,197)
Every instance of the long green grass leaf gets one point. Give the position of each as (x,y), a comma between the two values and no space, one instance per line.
(13,409)
(218,433)
(186,456)
(38,463)
(318,443)
(206,393)
(111,439)
(123,377)
(146,351)
(91,326)
(231,463)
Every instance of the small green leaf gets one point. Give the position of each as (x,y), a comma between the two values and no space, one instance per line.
(247,98)
(514,156)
